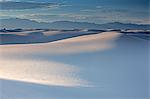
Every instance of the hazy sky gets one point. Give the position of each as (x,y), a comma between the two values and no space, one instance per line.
(97,11)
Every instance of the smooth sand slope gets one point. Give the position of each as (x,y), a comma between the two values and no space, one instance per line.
(16,63)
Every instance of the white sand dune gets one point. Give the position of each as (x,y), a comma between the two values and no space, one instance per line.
(38,36)
(95,66)
(49,72)
(87,43)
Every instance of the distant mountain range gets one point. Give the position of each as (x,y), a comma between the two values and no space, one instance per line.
(25,23)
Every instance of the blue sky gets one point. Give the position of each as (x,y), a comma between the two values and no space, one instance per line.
(97,11)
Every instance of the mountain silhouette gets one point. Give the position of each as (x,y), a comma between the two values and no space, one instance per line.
(14,23)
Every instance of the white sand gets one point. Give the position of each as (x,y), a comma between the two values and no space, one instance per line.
(49,72)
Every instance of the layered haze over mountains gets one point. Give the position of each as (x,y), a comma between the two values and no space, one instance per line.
(92,11)
(70,14)
(14,23)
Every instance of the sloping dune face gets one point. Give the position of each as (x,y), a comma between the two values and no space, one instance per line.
(16,62)
(88,43)
(40,72)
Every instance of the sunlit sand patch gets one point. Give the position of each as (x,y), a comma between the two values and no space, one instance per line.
(103,37)
(41,72)
(49,33)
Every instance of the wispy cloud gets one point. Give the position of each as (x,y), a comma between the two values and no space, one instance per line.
(106,14)
(66,11)
(25,5)
(54,17)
